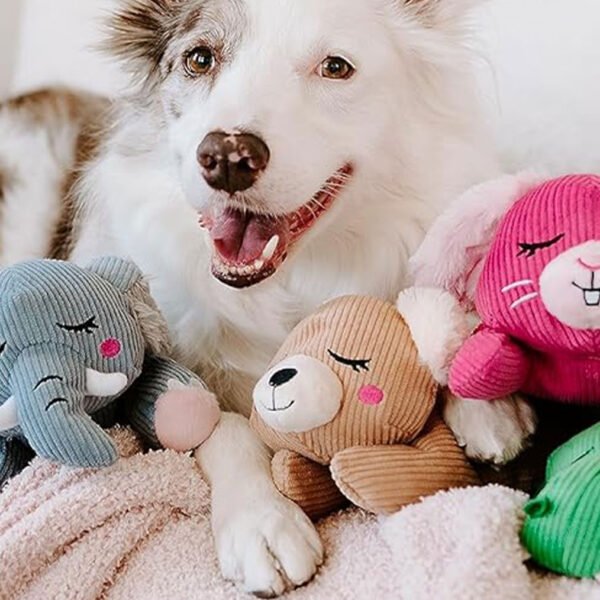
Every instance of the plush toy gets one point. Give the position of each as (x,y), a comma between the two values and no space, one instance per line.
(349,406)
(530,260)
(562,524)
(73,341)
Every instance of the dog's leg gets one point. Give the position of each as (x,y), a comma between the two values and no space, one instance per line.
(491,431)
(264,542)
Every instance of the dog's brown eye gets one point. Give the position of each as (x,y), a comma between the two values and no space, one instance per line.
(336,67)
(199,61)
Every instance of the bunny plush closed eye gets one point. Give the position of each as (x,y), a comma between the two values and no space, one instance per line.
(535,282)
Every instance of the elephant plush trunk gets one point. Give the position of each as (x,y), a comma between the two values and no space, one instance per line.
(49,384)
(97,384)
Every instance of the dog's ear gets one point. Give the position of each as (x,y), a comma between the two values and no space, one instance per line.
(139,32)
(452,254)
(437,14)
(433,11)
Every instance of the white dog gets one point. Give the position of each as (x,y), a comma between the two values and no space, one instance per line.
(272,154)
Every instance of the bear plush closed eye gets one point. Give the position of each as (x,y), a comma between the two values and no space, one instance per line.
(350,411)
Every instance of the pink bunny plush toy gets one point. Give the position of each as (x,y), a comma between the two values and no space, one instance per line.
(533,272)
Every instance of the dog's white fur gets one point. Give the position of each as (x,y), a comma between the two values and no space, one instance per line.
(35,204)
(409,123)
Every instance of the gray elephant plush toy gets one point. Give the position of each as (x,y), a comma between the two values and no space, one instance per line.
(83,348)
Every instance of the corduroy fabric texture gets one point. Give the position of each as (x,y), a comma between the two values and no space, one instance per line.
(562,527)
(539,300)
(383,454)
(66,330)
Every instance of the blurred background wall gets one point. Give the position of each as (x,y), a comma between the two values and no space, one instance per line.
(9,28)
(52,41)
(540,68)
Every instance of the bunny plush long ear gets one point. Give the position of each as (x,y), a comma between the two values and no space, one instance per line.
(454,249)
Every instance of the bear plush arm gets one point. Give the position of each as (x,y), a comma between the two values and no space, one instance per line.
(383,479)
(489,365)
(306,483)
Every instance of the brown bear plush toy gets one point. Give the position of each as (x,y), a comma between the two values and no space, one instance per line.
(349,405)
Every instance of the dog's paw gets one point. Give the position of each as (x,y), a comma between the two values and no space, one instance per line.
(495,432)
(268,545)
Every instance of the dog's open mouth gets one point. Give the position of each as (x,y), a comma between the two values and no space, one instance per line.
(249,247)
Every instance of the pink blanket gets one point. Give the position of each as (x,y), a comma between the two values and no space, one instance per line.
(140,531)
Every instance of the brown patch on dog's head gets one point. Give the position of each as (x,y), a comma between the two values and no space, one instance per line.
(387,395)
(140,31)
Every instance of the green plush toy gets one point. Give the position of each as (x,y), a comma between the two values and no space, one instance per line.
(562,524)
(81,348)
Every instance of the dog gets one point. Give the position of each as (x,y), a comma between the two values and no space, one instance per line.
(268,156)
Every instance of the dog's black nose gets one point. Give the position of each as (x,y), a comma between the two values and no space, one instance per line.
(232,162)
(282,377)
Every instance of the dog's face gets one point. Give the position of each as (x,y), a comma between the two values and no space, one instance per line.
(541,278)
(277,109)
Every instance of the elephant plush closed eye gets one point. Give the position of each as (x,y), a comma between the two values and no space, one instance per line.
(81,348)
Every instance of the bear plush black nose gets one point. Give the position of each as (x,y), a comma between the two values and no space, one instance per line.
(282,377)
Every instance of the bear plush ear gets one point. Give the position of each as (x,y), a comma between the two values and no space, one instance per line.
(439,327)
(453,252)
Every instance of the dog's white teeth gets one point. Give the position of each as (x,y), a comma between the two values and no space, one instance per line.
(270,248)
(592,297)
(258,265)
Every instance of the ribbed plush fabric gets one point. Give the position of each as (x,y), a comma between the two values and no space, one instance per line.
(383,479)
(562,527)
(14,457)
(382,455)
(539,300)
(57,321)
(307,483)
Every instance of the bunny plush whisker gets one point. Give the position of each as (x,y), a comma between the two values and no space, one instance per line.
(524,299)
(516,284)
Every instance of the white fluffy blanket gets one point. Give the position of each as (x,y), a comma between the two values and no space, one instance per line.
(140,530)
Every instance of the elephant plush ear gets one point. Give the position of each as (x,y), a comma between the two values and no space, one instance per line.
(121,273)
(127,277)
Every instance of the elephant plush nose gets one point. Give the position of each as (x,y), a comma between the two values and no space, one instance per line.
(232,162)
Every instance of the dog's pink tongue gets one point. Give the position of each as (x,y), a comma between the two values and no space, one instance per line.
(240,238)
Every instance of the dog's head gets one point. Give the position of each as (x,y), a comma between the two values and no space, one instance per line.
(348,375)
(277,110)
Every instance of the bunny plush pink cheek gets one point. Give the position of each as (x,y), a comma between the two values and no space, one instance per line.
(570,286)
